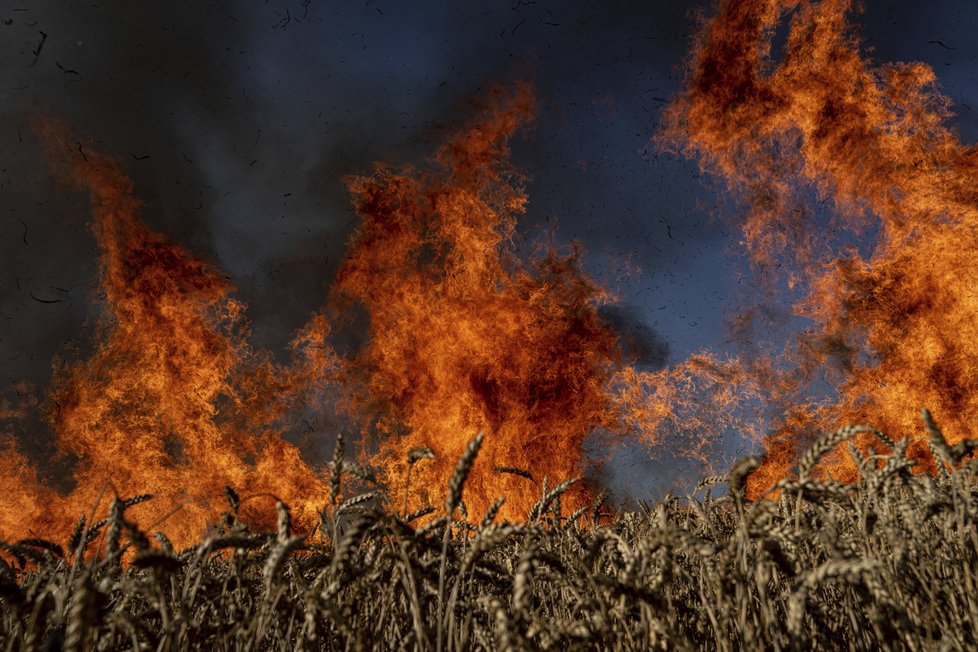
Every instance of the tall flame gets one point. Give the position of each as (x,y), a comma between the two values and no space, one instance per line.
(463,336)
(155,408)
(900,322)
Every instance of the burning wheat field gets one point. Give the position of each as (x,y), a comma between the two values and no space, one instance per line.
(398,406)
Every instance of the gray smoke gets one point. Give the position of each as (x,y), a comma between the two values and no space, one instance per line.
(237,122)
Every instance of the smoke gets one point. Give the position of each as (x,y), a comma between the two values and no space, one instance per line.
(641,345)
(125,75)
(237,124)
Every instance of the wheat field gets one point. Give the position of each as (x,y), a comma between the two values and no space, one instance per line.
(888,563)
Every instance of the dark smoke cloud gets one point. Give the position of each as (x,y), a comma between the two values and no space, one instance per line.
(641,345)
(238,121)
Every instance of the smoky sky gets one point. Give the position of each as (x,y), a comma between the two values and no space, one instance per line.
(237,122)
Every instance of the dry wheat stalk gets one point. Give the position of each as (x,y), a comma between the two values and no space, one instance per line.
(457,481)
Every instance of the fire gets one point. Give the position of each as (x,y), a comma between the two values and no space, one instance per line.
(464,337)
(893,329)
(465,340)
(158,407)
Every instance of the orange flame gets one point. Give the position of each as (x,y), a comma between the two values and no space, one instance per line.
(898,323)
(151,409)
(464,337)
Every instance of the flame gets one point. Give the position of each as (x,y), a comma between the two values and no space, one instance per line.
(464,335)
(896,326)
(156,407)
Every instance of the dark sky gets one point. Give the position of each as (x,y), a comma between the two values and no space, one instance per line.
(237,121)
